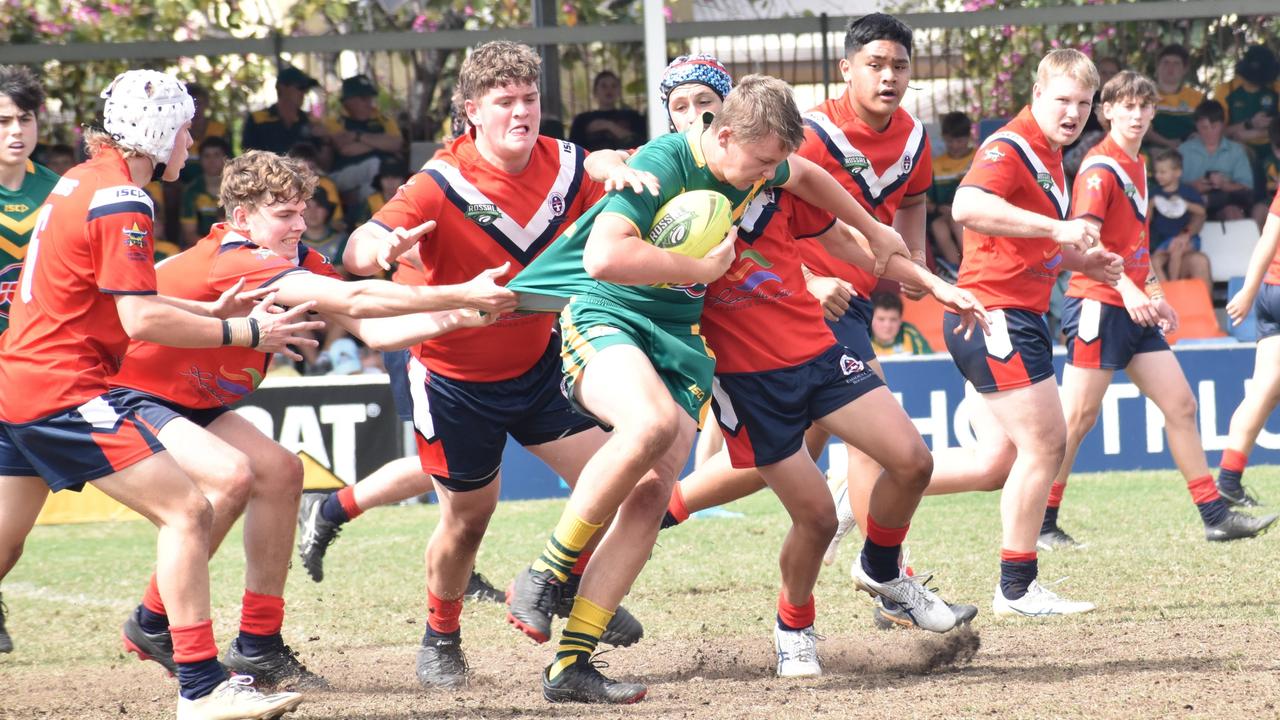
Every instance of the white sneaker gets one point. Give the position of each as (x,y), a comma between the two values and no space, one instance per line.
(922,605)
(797,652)
(839,487)
(1039,601)
(238,699)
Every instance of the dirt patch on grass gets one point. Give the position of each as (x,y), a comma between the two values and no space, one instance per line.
(1026,670)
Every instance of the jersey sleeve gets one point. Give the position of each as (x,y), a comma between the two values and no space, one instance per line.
(922,174)
(119,228)
(258,267)
(996,169)
(640,209)
(317,263)
(1092,193)
(807,221)
(781,175)
(416,202)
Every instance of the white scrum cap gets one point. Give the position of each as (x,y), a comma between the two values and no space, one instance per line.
(144,111)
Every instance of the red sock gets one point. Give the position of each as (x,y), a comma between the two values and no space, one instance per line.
(1234,461)
(1055,494)
(442,615)
(347,499)
(1012,556)
(261,614)
(676,505)
(193,643)
(797,617)
(581,566)
(151,598)
(1203,490)
(883,536)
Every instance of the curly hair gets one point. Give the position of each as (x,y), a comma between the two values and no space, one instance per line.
(259,178)
(495,64)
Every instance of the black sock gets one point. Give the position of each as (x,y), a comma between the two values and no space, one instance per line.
(880,562)
(1229,480)
(1016,576)
(1050,522)
(1214,511)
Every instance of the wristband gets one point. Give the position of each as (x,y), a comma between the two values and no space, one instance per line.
(226,333)
(240,332)
(255,336)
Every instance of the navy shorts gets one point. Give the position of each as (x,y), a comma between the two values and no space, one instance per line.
(853,329)
(1268,309)
(764,415)
(396,363)
(79,445)
(462,426)
(1103,337)
(157,412)
(1018,353)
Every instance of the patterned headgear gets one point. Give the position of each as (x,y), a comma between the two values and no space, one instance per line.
(144,111)
(702,69)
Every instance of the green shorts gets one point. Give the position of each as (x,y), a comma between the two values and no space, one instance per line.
(678,353)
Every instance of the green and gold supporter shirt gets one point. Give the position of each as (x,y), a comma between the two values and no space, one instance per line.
(678,163)
(17,218)
(1175,113)
(947,173)
(201,207)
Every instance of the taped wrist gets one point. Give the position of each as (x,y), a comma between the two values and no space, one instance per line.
(241,332)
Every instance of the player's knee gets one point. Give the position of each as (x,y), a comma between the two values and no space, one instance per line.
(913,469)
(654,432)
(10,553)
(817,520)
(1081,420)
(652,493)
(468,529)
(282,476)
(192,514)
(1181,412)
(231,481)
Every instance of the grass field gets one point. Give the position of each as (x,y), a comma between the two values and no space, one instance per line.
(1183,629)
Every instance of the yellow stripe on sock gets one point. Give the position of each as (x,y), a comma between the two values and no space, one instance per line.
(581,634)
(564,546)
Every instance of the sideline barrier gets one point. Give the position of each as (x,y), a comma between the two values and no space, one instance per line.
(347,426)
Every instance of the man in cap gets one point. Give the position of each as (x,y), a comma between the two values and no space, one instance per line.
(362,138)
(284,124)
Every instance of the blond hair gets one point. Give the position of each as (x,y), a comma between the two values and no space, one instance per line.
(97,139)
(495,64)
(1129,85)
(259,178)
(1068,63)
(760,106)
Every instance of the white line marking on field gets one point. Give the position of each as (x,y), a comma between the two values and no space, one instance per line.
(40,592)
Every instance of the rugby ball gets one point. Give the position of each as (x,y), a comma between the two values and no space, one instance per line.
(692,223)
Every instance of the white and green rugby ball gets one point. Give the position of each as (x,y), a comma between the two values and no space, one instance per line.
(692,223)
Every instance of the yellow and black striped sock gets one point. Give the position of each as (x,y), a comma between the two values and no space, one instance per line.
(565,545)
(581,634)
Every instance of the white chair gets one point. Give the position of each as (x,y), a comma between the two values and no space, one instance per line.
(1229,245)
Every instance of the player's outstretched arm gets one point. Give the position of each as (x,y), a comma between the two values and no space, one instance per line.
(1263,252)
(404,331)
(149,318)
(991,214)
(380,298)
(616,253)
(609,168)
(811,183)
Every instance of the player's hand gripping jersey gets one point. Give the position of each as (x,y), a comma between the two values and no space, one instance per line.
(759,315)
(1111,188)
(677,161)
(1016,164)
(485,217)
(211,377)
(879,169)
(92,240)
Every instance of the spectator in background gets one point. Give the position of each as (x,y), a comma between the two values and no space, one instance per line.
(60,158)
(889,334)
(1268,176)
(1216,166)
(202,126)
(1094,132)
(362,138)
(390,177)
(948,169)
(1250,98)
(610,126)
(284,124)
(1176,105)
(307,153)
(320,235)
(1177,214)
(200,205)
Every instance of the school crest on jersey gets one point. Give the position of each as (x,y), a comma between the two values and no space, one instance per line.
(135,237)
(482,213)
(1044,180)
(1130,190)
(556,204)
(857,163)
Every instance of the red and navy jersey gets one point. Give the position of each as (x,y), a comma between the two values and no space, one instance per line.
(1017,165)
(211,377)
(485,217)
(759,315)
(1273,272)
(1111,188)
(879,168)
(92,241)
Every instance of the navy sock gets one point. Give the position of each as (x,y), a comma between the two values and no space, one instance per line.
(1213,512)
(332,510)
(1050,520)
(153,623)
(787,627)
(1015,576)
(669,520)
(880,562)
(1229,480)
(198,679)
(456,635)
(258,645)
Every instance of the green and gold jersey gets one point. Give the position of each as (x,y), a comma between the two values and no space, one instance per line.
(17,218)
(678,163)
